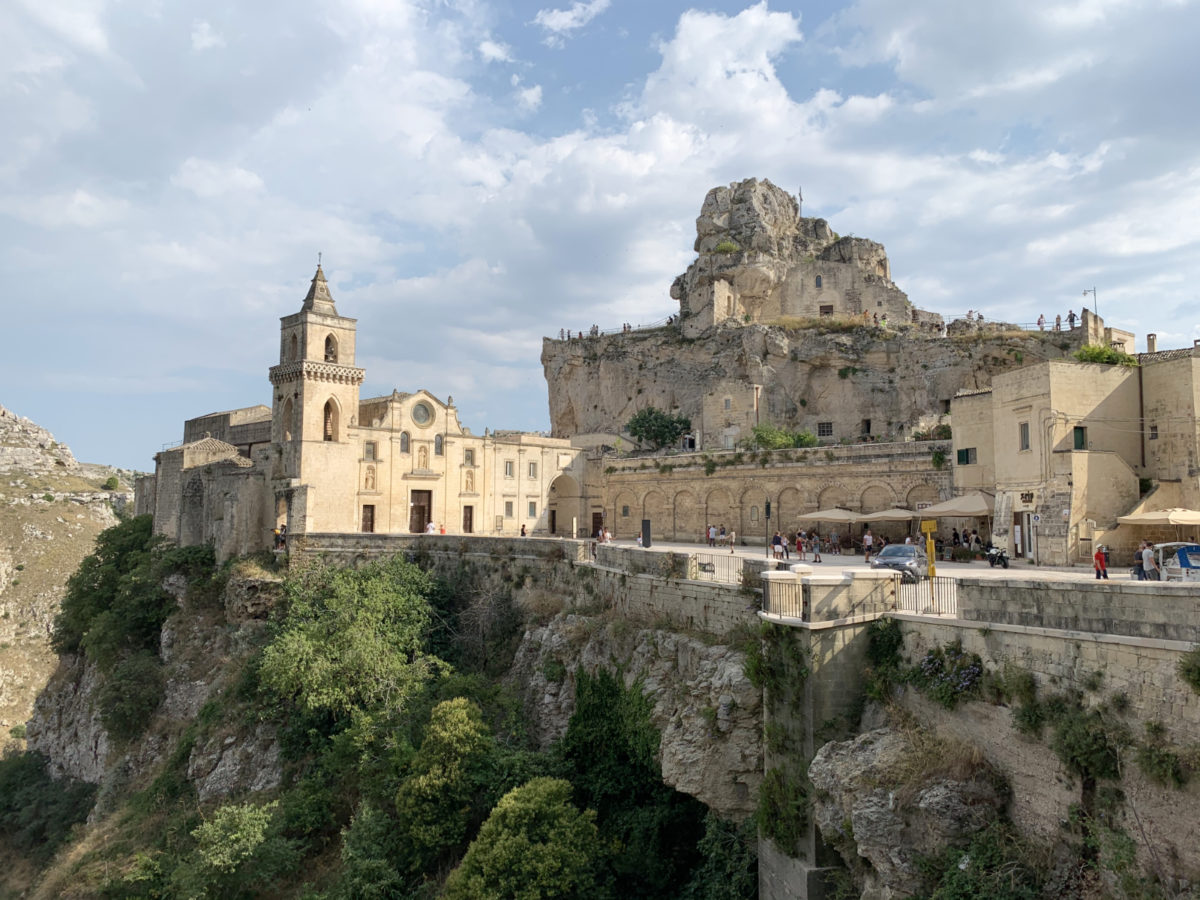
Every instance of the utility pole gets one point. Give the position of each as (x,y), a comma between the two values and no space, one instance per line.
(1095,305)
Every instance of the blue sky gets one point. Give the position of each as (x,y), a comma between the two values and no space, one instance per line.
(480,174)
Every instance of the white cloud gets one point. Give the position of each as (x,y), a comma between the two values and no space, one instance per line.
(204,37)
(529,99)
(79,208)
(493,51)
(205,178)
(560,23)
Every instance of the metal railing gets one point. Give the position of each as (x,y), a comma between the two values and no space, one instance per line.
(724,568)
(936,596)
(786,598)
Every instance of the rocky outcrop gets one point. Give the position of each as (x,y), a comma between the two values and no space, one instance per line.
(66,723)
(708,713)
(884,802)
(27,448)
(224,765)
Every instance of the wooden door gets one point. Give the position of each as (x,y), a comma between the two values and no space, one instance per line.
(554,521)
(468,520)
(421,509)
(368,519)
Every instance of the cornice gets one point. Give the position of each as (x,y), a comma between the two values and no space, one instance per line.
(312,370)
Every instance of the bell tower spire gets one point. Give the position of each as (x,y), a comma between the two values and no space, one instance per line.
(318,299)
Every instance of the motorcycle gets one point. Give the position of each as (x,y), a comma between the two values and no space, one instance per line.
(997,556)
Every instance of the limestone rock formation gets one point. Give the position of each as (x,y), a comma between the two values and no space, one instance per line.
(51,508)
(705,708)
(882,800)
(782,321)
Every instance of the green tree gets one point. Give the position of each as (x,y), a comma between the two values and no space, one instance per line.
(369,849)
(130,695)
(237,847)
(534,846)
(1109,356)
(111,483)
(729,870)
(768,437)
(436,803)
(36,811)
(657,428)
(351,638)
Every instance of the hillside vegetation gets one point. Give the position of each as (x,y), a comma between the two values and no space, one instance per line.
(404,763)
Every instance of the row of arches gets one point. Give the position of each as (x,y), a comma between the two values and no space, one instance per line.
(331,349)
(684,514)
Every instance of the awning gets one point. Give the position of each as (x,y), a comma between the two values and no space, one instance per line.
(1176,516)
(833,514)
(890,515)
(976,504)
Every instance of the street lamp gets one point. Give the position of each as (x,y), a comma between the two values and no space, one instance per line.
(1095,305)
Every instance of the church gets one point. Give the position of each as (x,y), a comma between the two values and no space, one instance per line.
(322,459)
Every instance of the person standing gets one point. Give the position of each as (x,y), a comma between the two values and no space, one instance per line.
(777,545)
(1100,563)
(1041,322)
(1058,322)
(1149,566)
(867,542)
(1071,319)
(816,546)
(1139,573)
(732,539)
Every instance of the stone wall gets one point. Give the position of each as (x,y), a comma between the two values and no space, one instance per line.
(1148,609)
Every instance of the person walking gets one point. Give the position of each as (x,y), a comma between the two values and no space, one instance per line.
(1071,318)
(1100,563)
(732,540)
(867,542)
(816,545)
(1149,566)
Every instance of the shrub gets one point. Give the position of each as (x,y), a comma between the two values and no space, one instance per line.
(947,674)
(1108,356)
(130,695)
(729,870)
(111,483)
(727,247)
(37,812)
(534,844)
(782,813)
(657,428)
(994,866)
(1189,668)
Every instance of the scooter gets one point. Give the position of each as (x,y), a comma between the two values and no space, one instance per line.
(997,556)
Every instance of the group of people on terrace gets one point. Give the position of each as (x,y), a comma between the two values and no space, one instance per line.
(1058,319)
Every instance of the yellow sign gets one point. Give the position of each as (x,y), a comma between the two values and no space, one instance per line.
(928,526)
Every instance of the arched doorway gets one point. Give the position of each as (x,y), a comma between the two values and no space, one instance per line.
(565,507)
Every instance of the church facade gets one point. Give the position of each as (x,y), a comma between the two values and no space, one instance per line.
(323,459)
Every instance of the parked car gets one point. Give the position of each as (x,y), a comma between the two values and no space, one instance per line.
(907,559)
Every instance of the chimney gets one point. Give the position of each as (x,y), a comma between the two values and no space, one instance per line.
(1152,343)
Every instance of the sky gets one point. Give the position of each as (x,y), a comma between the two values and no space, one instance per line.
(479,174)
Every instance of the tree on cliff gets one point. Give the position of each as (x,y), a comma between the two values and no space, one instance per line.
(657,428)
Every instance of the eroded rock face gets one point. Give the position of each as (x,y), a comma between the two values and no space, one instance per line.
(879,799)
(708,713)
(224,765)
(66,723)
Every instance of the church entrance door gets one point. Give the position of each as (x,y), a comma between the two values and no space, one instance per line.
(421,507)
(468,520)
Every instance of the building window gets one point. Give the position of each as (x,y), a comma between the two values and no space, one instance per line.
(754,514)
(729,441)
(728,403)
(468,457)
(826,309)
(369,450)
(439,445)
(532,509)
(866,427)
(967,456)
(1154,432)
(1023,436)
(824,429)
(508,509)
(1080,437)
(404,442)
(818,281)
(331,349)
(624,512)
(509,468)
(533,470)
(295,354)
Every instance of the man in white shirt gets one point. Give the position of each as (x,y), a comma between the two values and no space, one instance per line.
(1149,566)
(867,542)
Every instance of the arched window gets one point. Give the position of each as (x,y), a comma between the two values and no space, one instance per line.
(295,349)
(286,421)
(439,445)
(469,482)
(369,480)
(331,421)
(331,349)
(818,281)
(422,457)
(404,442)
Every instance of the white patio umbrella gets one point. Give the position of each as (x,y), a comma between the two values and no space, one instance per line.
(834,514)
(895,514)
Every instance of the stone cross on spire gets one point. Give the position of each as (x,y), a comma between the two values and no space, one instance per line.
(318,298)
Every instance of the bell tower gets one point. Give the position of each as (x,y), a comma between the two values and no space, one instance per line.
(314,412)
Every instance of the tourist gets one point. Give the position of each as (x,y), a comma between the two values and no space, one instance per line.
(721,536)
(1058,323)
(522,531)
(1071,318)
(867,541)
(1149,565)
(777,545)
(732,539)
(800,536)
(816,547)
(835,544)
(954,537)
(1041,322)
(430,528)
(442,528)
(1100,563)
(607,536)
(1139,573)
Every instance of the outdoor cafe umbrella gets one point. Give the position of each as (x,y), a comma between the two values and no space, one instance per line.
(978,505)
(1176,516)
(890,515)
(834,514)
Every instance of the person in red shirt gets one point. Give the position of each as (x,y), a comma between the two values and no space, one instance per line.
(1100,563)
